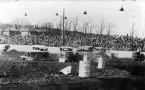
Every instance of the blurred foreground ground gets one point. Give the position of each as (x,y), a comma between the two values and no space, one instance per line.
(45,76)
(30,75)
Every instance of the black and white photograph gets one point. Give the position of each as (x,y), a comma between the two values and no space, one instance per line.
(72,44)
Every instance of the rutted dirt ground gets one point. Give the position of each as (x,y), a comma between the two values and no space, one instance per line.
(27,75)
(46,76)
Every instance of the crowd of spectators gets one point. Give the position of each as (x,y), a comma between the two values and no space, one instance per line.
(115,42)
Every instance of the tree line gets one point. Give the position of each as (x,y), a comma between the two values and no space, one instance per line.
(70,25)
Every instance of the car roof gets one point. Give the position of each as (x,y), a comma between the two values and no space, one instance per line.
(100,47)
(65,47)
(40,46)
(84,47)
(34,51)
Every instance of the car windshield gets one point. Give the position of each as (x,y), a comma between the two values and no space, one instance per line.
(28,54)
(101,49)
(65,49)
(83,50)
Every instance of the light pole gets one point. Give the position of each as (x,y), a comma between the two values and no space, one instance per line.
(75,43)
(25,15)
(63,18)
(133,18)
(85,22)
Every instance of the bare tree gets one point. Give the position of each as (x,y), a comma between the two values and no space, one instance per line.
(17,22)
(45,27)
(50,26)
(95,26)
(75,23)
(101,26)
(132,33)
(3,27)
(91,27)
(20,23)
(110,26)
(85,27)
(47,24)
(59,25)
(36,26)
(68,24)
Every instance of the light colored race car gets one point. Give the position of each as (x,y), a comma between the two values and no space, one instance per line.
(35,55)
(65,51)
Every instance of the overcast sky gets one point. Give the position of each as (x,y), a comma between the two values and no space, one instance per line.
(39,11)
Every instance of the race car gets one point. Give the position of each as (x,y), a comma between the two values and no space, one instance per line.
(35,55)
(65,51)
(88,51)
(85,50)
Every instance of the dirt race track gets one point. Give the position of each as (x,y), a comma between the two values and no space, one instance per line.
(46,76)
(29,75)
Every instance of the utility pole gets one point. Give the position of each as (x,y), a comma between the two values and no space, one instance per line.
(63,18)
(63,27)
(133,35)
